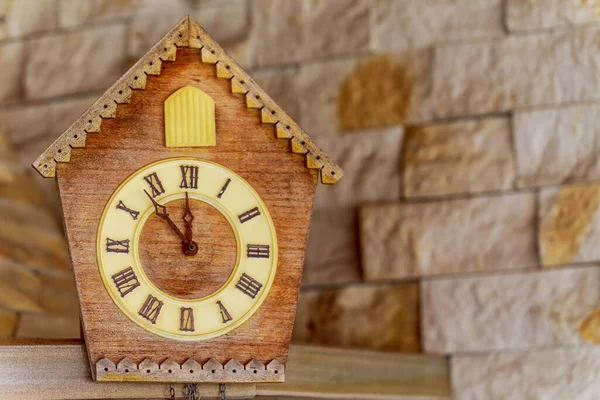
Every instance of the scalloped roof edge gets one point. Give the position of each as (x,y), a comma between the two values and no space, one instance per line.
(187,33)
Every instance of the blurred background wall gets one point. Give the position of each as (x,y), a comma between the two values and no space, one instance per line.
(468,221)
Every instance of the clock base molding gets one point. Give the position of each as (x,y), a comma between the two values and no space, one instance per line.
(189,372)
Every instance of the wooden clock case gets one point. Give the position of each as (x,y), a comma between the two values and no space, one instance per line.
(124,131)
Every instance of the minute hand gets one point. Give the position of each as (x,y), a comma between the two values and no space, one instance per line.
(161,211)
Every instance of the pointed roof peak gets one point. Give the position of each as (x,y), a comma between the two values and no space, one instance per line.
(187,33)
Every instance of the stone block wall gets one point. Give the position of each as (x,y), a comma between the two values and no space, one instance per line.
(468,222)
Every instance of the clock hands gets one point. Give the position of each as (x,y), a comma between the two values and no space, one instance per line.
(189,247)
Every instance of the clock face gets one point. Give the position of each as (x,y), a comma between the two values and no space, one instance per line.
(187,249)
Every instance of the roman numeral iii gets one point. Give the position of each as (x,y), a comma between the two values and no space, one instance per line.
(189,177)
(121,206)
(126,281)
(155,184)
(248,215)
(186,323)
(117,246)
(258,251)
(151,308)
(248,285)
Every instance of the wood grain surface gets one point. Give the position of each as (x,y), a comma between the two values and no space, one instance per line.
(245,145)
(183,276)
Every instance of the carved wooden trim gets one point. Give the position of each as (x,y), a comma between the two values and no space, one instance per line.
(187,33)
(256,98)
(190,371)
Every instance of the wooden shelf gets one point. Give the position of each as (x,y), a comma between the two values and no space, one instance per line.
(59,369)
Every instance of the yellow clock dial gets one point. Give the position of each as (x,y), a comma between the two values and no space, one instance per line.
(165,194)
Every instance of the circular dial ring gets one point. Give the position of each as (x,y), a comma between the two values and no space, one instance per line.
(118,249)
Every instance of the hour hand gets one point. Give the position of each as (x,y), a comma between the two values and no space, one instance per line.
(188,217)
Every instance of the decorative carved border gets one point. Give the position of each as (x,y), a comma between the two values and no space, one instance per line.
(187,33)
(190,371)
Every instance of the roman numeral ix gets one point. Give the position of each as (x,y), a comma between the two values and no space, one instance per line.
(117,246)
(189,177)
(186,323)
(126,281)
(248,215)
(248,285)
(258,251)
(151,308)
(155,184)
(121,206)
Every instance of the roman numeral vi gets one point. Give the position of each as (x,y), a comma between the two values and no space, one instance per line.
(151,308)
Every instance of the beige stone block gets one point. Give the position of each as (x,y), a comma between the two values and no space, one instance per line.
(76,12)
(286,32)
(371,163)
(416,24)
(511,311)
(558,145)
(48,187)
(382,317)
(48,326)
(20,278)
(584,11)
(11,65)
(60,304)
(153,20)
(62,283)
(498,76)
(458,157)
(332,256)
(579,63)
(8,323)
(521,71)
(406,240)
(23,17)
(559,373)
(73,63)
(569,224)
(277,31)
(336,27)
(361,93)
(282,86)
(27,214)
(526,15)
(14,299)
(58,294)
(50,120)
(228,22)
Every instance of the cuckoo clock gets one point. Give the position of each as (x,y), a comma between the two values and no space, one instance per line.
(187,194)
